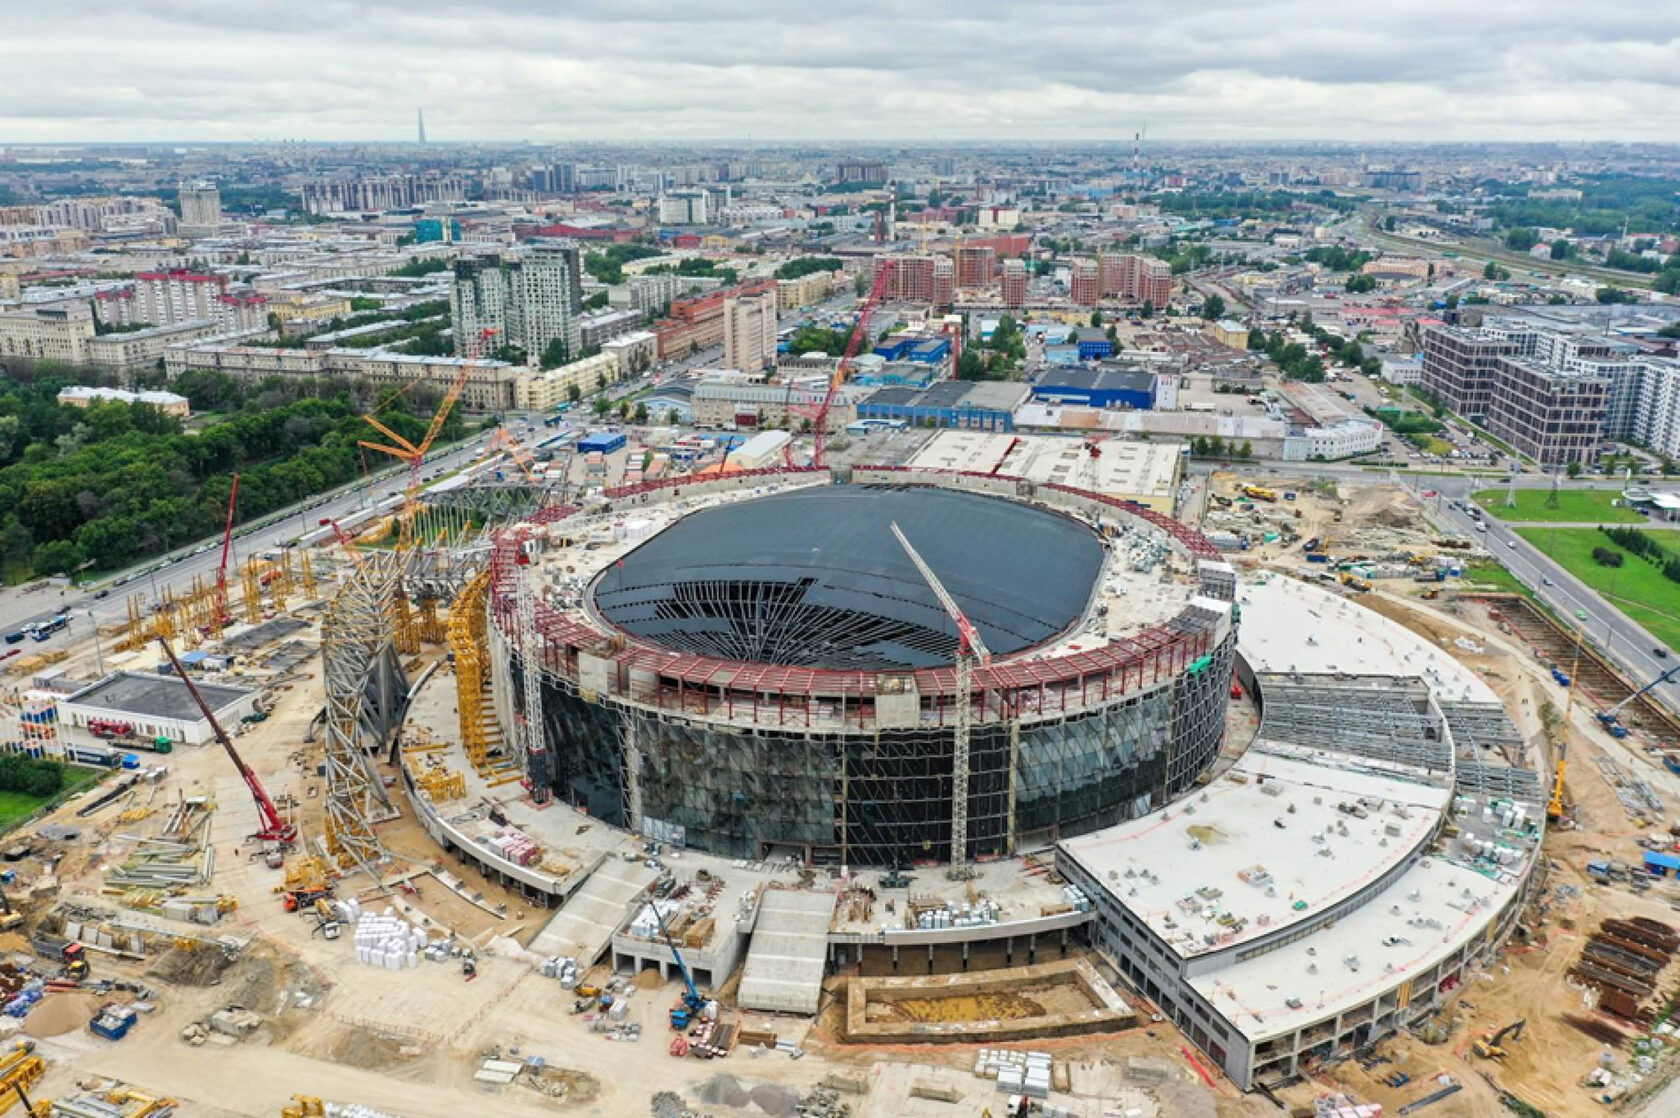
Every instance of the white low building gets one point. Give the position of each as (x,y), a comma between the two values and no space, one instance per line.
(159,706)
(1337,440)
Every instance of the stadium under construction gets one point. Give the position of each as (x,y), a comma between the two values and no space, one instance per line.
(755,665)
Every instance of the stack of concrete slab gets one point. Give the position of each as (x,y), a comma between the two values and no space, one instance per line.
(785,961)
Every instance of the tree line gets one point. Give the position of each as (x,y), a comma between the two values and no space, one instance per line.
(113,483)
(1643,545)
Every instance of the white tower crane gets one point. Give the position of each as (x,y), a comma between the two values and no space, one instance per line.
(969,648)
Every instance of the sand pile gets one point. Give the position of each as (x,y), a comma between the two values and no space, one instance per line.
(57,1014)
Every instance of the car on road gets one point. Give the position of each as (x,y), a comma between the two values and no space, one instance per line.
(1510,543)
(103,594)
(1580,615)
(1545,581)
(1660,652)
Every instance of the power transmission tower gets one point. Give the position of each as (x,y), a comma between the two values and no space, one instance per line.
(1552,497)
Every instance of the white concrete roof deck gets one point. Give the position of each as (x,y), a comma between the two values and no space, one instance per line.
(1206,843)
(1289,625)
(1253,995)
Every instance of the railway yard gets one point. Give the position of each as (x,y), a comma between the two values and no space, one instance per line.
(516,954)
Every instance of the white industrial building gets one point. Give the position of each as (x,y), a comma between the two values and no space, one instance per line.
(1145,472)
(159,706)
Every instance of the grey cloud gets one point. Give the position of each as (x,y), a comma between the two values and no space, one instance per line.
(635,69)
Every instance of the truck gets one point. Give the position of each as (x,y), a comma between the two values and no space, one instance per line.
(1317,557)
(1259,493)
(108,728)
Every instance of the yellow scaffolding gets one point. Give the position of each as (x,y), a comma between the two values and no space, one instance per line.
(469,641)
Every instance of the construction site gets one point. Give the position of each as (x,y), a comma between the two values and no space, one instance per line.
(907,789)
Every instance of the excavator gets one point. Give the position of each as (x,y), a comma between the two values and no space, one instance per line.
(1488,1045)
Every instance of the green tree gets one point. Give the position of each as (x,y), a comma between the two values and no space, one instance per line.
(1256,339)
(573,393)
(58,557)
(1391,223)
(602,406)
(1213,308)
(1148,309)
(1616,295)
(1360,284)
(970,366)
(1573,469)
(673,417)
(1199,447)
(554,354)
(1521,240)
(1096,318)
(641,414)
(1562,249)
(1246,450)
(1492,271)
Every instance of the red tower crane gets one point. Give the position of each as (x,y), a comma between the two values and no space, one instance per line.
(819,416)
(275,828)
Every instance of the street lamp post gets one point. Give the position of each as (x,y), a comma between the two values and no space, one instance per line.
(98,649)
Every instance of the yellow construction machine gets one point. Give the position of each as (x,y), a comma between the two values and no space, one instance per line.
(1488,1045)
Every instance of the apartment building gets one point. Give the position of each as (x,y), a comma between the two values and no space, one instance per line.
(137,349)
(749,331)
(918,278)
(548,389)
(54,332)
(529,299)
(975,265)
(805,291)
(201,205)
(1086,284)
(490,386)
(1133,278)
(1554,416)
(685,207)
(1014,284)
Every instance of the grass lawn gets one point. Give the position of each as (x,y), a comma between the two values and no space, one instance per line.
(1579,506)
(1636,587)
(1492,574)
(18,806)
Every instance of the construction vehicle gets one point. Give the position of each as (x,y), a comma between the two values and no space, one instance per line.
(1610,718)
(307,882)
(1554,803)
(274,828)
(1259,493)
(1488,1046)
(1348,578)
(74,957)
(9,917)
(327,923)
(969,648)
(690,1005)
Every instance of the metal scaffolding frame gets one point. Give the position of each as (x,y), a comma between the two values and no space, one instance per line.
(1382,718)
(366,692)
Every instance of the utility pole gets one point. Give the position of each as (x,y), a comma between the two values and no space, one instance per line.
(98,651)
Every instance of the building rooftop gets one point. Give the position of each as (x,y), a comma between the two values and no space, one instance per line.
(1135,470)
(1293,626)
(1273,843)
(155,696)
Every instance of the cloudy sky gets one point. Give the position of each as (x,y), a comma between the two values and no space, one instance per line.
(556,70)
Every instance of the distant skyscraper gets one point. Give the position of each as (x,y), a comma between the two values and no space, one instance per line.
(749,331)
(201,204)
(420,123)
(530,299)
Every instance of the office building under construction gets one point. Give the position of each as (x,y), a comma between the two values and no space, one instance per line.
(759,664)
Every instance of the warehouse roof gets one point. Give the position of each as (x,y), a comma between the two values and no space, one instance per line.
(155,696)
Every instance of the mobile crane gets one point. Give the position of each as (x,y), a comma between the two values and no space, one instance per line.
(1610,718)
(691,1004)
(275,828)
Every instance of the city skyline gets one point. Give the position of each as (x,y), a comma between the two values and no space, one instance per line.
(508,70)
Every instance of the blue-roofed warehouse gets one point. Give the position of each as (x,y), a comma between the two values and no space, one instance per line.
(1133,389)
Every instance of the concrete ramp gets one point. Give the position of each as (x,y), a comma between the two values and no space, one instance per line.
(785,961)
(585,924)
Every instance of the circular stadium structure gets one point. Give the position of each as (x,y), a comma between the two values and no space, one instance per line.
(754,664)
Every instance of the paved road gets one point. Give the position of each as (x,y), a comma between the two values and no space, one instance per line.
(1604,626)
(200,558)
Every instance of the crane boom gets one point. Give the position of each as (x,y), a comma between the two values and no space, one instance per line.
(860,331)
(227,549)
(969,646)
(971,640)
(275,828)
(1611,713)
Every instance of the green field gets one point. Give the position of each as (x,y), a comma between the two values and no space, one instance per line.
(1575,506)
(1636,587)
(1492,574)
(18,806)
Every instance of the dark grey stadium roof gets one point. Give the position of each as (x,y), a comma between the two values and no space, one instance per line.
(814,578)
